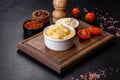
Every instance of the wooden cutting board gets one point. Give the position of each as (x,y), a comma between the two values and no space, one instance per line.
(61,60)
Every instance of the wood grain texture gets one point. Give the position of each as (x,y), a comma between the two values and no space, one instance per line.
(60,60)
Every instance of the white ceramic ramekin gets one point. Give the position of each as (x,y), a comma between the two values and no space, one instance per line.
(59,45)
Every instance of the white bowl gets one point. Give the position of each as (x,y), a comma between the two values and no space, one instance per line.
(59,45)
(68,22)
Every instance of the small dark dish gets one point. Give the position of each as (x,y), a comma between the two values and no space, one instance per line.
(41,15)
(32,27)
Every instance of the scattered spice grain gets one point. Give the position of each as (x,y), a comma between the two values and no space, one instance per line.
(96,75)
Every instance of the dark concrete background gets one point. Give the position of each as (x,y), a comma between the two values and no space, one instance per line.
(15,65)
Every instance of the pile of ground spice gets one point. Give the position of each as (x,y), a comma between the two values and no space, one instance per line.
(105,21)
(96,75)
(90,75)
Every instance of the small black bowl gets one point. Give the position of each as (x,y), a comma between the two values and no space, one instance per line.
(29,31)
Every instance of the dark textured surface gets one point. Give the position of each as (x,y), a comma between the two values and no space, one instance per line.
(15,65)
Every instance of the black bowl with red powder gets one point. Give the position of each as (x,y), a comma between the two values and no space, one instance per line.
(32,27)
